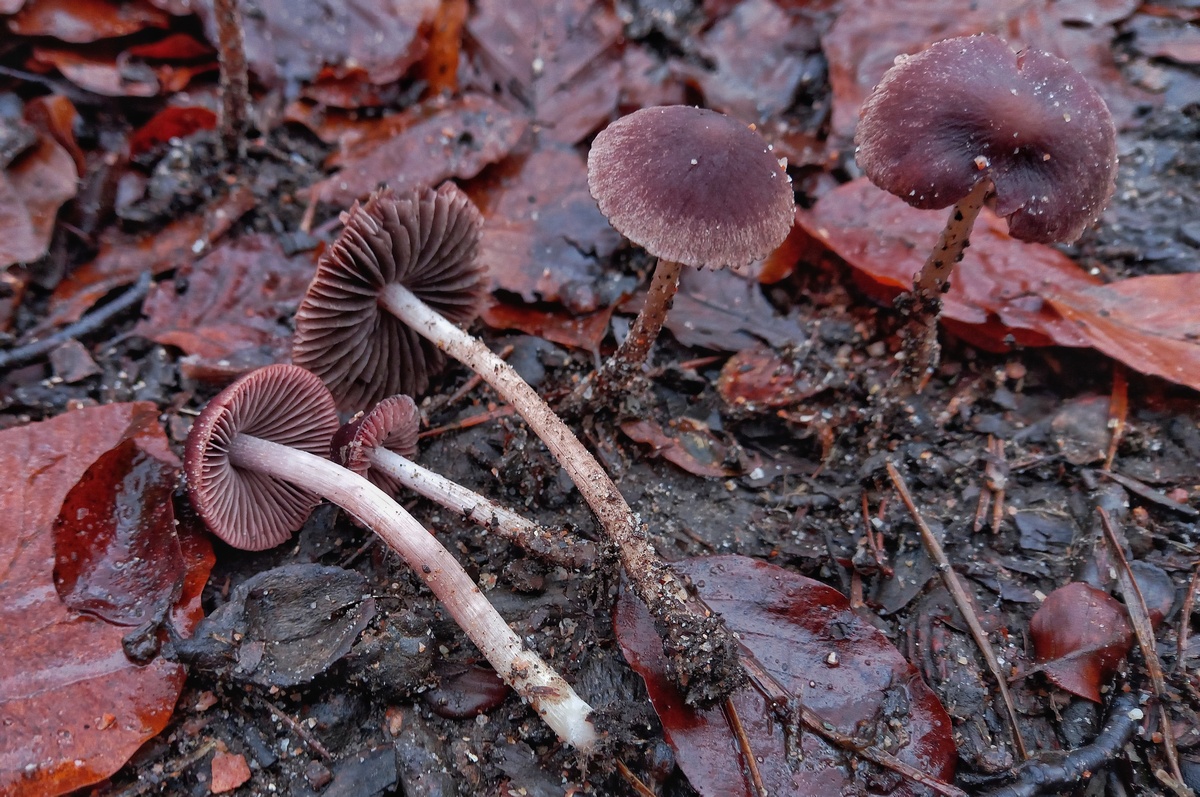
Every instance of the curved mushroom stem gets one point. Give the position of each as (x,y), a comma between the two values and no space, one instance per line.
(522,669)
(613,377)
(702,654)
(921,349)
(559,549)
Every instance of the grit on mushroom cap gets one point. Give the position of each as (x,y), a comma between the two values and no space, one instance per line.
(970,108)
(691,186)
(425,240)
(392,424)
(280,403)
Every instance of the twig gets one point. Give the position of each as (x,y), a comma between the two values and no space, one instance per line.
(235,81)
(1185,619)
(310,741)
(1118,412)
(1139,617)
(172,771)
(739,733)
(466,423)
(1051,776)
(963,601)
(84,326)
(449,399)
(634,781)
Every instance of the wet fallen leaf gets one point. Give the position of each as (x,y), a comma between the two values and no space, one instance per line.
(96,68)
(723,311)
(1148,323)
(421,147)
(439,67)
(83,21)
(999,289)
(759,379)
(237,302)
(283,627)
(290,41)
(543,236)
(1080,635)
(557,60)
(63,670)
(690,444)
(32,189)
(465,691)
(55,116)
(170,122)
(229,770)
(806,636)
(585,331)
(115,551)
(123,257)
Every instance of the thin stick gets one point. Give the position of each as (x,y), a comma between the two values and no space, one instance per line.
(502,411)
(310,741)
(614,376)
(1118,412)
(450,399)
(235,80)
(701,653)
(1185,620)
(1139,617)
(739,733)
(634,781)
(84,326)
(963,601)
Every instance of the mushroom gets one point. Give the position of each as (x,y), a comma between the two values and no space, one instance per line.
(692,187)
(381,444)
(254,475)
(355,328)
(969,121)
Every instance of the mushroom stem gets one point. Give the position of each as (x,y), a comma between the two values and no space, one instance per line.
(615,374)
(702,654)
(921,350)
(522,669)
(567,551)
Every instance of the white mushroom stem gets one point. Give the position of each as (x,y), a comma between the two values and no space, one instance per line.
(614,375)
(521,668)
(478,509)
(664,594)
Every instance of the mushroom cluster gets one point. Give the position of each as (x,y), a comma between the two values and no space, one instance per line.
(256,467)
(969,122)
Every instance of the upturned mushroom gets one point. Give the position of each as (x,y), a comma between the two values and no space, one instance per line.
(381,445)
(254,475)
(968,122)
(692,187)
(357,326)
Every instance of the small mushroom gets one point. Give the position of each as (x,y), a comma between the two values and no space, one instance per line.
(692,187)
(355,328)
(254,475)
(381,445)
(969,121)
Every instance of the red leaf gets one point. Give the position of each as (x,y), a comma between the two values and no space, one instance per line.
(465,691)
(421,147)
(578,331)
(64,671)
(1080,635)
(32,189)
(998,289)
(558,60)
(236,301)
(692,446)
(758,379)
(543,236)
(793,626)
(229,770)
(1149,323)
(82,21)
(171,122)
(124,257)
(115,550)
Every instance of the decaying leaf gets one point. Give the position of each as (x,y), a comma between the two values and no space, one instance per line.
(690,444)
(1080,635)
(65,670)
(808,638)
